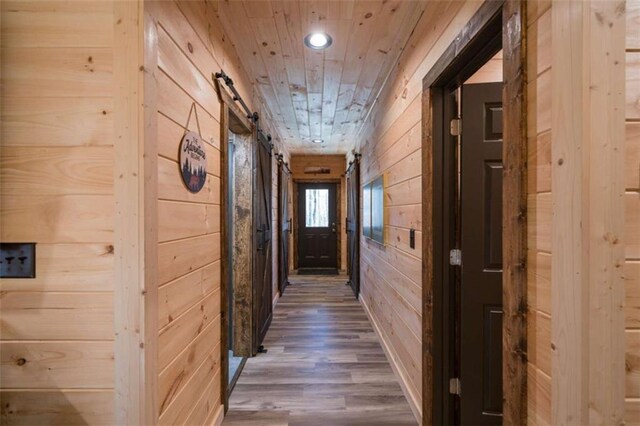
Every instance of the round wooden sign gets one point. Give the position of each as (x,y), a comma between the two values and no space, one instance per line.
(193,162)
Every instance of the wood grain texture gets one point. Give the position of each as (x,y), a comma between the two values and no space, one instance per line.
(57,171)
(324,364)
(175,297)
(50,365)
(539,217)
(34,121)
(320,94)
(588,241)
(191,45)
(68,407)
(92,24)
(632,186)
(633,20)
(514,210)
(57,190)
(72,72)
(68,218)
(136,224)
(57,316)
(632,89)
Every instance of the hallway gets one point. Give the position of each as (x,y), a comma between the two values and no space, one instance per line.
(324,365)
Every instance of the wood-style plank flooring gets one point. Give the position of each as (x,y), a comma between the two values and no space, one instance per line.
(324,365)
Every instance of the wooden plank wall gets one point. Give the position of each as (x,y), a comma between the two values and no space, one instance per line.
(56,182)
(191,46)
(539,211)
(632,234)
(391,287)
(337,166)
(188,224)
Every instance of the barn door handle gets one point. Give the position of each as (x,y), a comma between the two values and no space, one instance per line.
(263,237)
(290,224)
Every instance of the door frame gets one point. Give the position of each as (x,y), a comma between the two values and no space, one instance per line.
(294,214)
(505,19)
(231,117)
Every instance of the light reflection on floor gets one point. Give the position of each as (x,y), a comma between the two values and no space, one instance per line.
(234,363)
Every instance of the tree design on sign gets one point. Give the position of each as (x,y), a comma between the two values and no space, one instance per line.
(193,158)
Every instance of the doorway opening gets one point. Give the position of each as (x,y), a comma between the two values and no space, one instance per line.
(317,228)
(474,285)
(235,363)
(236,154)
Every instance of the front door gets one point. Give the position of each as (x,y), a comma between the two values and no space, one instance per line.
(262,278)
(481,247)
(317,227)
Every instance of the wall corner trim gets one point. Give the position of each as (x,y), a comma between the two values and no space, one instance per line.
(135,222)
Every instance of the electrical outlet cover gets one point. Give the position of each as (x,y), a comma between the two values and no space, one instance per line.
(17,260)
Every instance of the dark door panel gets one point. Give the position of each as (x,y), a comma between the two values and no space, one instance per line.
(284,225)
(353,226)
(481,245)
(317,227)
(262,279)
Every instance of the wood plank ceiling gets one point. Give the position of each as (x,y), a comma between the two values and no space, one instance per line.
(319,94)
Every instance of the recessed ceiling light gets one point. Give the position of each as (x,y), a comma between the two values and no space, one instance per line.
(318,41)
(317,140)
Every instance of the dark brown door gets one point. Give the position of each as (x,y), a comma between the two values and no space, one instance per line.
(317,227)
(284,226)
(262,278)
(353,226)
(481,247)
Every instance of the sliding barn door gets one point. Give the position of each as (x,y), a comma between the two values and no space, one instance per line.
(262,278)
(353,226)
(284,225)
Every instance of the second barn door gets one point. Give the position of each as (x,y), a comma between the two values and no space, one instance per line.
(284,225)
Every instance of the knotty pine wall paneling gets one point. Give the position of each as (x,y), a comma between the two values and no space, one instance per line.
(539,212)
(57,189)
(191,46)
(589,235)
(632,203)
(59,98)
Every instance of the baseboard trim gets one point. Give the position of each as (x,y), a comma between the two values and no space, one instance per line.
(413,399)
(275,300)
(219,416)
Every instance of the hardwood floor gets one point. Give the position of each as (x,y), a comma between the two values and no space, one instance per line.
(324,365)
